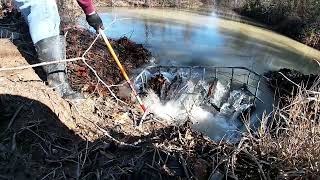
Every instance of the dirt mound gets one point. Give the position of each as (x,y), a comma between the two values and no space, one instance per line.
(131,55)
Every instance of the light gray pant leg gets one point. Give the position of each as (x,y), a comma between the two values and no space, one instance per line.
(44,26)
(42,17)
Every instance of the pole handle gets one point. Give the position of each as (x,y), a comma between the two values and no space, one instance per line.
(124,73)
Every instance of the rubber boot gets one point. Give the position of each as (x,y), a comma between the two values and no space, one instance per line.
(52,49)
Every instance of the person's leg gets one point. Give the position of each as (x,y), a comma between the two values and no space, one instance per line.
(44,25)
(42,17)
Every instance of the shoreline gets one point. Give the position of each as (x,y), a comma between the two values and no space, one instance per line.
(286,27)
(260,33)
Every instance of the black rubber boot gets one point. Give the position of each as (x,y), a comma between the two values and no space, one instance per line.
(52,49)
(59,82)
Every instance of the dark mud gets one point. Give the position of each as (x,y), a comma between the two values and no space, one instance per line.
(283,87)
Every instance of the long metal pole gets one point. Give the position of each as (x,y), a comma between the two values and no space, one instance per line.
(123,72)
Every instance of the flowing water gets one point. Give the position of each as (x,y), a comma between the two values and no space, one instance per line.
(214,105)
(178,37)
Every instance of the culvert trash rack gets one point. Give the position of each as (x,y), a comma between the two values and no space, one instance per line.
(233,75)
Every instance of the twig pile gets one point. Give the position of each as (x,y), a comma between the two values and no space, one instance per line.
(131,55)
(284,87)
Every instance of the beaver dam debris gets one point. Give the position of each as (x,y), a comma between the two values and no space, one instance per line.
(214,99)
(132,56)
(284,87)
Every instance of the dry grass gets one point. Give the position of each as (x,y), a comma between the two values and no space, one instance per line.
(290,143)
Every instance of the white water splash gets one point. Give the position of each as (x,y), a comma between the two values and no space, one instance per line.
(205,118)
(220,94)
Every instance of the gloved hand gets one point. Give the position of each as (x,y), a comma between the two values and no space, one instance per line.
(95,21)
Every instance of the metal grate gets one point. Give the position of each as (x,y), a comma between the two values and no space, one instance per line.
(235,76)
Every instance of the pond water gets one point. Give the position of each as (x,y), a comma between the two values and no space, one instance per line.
(206,38)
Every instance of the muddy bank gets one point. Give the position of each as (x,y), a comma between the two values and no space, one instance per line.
(290,26)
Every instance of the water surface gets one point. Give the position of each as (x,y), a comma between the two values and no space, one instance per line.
(178,37)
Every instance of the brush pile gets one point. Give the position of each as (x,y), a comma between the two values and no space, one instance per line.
(131,55)
(35,144)
(291,136)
